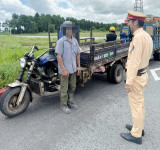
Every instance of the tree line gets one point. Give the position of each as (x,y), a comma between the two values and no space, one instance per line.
(43,22)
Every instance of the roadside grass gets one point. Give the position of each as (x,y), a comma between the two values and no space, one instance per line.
(36,34)
(11,49)
(8,73)
(82,33)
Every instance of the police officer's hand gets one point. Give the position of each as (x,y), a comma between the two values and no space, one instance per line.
(78,71)
(128,88)
(65,74)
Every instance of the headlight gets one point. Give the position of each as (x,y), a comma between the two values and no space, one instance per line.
(29,63)
(22,62)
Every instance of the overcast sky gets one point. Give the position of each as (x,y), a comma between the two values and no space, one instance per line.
(106,11)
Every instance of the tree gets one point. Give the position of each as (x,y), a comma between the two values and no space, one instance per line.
(6,24)
(51,27)
(27,22)
(38,23)
(14,24)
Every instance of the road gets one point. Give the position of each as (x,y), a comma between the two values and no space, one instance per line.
(96,125)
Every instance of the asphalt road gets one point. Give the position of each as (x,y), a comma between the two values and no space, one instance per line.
(96,125)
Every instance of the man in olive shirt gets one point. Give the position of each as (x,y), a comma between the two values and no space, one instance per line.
(139,54)
(68,55)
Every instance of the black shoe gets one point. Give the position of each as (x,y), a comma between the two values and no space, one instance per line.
(72,105)
(65,108)
(130,138)
(129,127)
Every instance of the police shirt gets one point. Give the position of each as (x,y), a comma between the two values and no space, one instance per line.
(139,54)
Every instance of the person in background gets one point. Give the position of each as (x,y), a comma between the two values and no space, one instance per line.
(112,35)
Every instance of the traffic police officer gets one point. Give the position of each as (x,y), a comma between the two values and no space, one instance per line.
(68,55)
(139,54)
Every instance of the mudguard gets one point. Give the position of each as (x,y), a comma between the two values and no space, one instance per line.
(18,83)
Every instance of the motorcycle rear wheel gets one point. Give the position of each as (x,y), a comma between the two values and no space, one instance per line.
(8,101)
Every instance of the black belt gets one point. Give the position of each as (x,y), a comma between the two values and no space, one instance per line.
(142,71)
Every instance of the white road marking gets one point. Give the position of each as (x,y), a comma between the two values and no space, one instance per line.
(153,71)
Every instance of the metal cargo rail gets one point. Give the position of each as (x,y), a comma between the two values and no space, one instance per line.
(102,53)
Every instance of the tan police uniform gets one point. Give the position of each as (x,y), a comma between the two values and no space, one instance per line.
(139,54)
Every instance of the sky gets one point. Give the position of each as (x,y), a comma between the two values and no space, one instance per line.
(106,11)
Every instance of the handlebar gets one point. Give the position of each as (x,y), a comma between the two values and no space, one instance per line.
(43,53)
(32,51)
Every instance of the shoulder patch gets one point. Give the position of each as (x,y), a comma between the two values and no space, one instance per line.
(133,48)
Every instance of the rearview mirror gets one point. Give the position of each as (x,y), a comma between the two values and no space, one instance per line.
(35,47)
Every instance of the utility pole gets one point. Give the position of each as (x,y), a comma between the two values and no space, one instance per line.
(0,27)
(138,5)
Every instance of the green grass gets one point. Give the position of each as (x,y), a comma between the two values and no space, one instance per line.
(8,73)
(96,33)
(82,34)
(11,49)
(37,34)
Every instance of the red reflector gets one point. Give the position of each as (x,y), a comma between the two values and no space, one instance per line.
(125,21)
(3,90)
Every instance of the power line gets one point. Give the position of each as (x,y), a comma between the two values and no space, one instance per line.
(138,5)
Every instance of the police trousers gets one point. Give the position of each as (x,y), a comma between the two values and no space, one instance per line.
(136,101)
(67,88)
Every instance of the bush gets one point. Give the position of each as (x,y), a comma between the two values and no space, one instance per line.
(8,73)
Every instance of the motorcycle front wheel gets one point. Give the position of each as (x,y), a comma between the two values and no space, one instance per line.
(8,102)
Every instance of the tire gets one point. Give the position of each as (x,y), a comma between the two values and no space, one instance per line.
(116,73)
(109,79)
(8,102)
(157,56)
